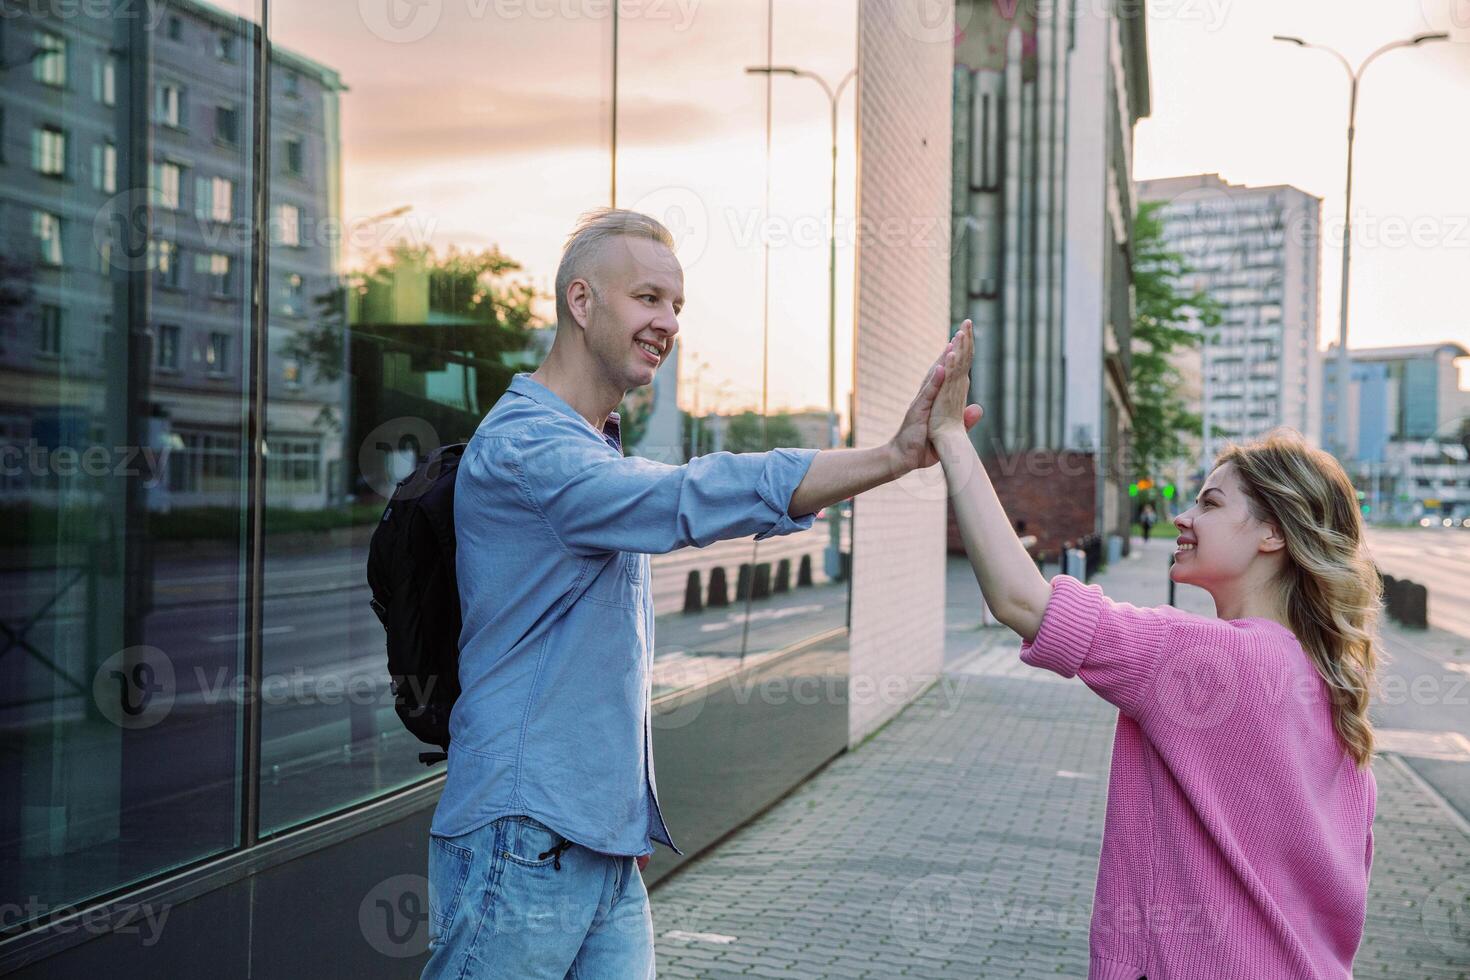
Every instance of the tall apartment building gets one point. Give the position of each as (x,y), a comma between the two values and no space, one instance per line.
(1257,252)
(1044,104)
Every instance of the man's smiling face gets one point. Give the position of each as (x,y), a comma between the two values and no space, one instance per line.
(638,292)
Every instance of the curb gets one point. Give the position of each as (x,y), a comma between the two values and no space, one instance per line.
(1456,817)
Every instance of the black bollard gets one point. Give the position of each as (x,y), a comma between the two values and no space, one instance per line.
(1399,607)
(1416,606)
(719,591)
(804,572)
(693,594)
(742,583)
(760,588)
(783,575)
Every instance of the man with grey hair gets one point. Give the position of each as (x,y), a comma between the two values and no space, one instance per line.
(549,809)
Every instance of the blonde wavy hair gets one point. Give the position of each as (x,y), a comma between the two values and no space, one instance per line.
(1333,592)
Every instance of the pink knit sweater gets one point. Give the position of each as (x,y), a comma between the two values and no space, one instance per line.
(1239,831)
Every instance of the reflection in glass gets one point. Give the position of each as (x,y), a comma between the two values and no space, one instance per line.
(419,197)
(745,192)
(122,388)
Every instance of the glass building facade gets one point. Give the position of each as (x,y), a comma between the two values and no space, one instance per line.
(255,259)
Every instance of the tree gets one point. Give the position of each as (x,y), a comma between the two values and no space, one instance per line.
(1166,320)
(748,432)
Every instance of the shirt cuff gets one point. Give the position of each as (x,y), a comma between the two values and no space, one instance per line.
(782,474)
(1068,625)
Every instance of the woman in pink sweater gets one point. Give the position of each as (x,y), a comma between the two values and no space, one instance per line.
(1239,829)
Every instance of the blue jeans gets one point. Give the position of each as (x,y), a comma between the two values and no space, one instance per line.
(515,900)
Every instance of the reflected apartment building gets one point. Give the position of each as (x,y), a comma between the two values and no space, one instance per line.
(70,138)
(207,380)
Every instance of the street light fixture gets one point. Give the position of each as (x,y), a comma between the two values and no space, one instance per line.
(834,519)
(1354,77)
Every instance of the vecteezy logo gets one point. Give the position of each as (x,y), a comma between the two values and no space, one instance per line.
(1196,688)
(394,916)
(134,688)
(1445,916)
(691,675)
(1448,15)
(684,214)
(933,913)
(931,21)
(401,21)
(127,223)
(393,450)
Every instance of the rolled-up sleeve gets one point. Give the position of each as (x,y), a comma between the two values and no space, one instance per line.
(595,500)
(1113,647)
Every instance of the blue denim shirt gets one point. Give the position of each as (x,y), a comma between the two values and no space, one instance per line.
(554,530)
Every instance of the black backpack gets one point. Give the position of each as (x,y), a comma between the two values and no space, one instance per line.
(410,570)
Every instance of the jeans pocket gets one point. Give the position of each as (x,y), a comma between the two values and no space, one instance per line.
(531,844)
(449,869)
(633,567)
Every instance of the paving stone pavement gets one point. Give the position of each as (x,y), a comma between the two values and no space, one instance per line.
(962,839)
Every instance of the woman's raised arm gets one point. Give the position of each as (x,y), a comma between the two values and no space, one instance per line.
(1016,592)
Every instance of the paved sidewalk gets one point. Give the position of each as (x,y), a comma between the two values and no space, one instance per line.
(962,841)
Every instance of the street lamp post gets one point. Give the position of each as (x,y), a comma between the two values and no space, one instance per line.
(1354,77)
(834,519)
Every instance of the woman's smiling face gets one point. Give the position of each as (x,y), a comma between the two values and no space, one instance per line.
(1219,537)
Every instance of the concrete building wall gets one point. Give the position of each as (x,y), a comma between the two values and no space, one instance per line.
(904,77)
(1044,104)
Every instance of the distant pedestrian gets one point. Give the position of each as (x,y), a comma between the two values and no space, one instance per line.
(550,808)
(1146,520)
(1239,831)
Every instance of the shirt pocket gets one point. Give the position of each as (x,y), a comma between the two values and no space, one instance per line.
(613,582)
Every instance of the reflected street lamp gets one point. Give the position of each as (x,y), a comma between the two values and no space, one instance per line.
(834,516)
(1354,77)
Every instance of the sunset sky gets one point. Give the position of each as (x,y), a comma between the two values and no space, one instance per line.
(496,131)
(1229,100)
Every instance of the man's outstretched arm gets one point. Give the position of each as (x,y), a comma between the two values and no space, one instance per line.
(836,474)
(595,500)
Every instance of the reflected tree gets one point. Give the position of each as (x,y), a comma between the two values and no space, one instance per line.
(749,432)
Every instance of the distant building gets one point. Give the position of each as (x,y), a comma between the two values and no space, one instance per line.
(1407,428)
(1395,394)
(1044,108)
(1257,252)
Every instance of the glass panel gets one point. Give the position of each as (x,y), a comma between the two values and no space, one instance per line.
(120,490)
(813,336)
(752,227)
(424,176)
(700,171)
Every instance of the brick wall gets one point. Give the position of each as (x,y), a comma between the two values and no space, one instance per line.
(904,71)
(1054,493)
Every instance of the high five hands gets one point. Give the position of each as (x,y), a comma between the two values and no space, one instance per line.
(950,409)
(940,403)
